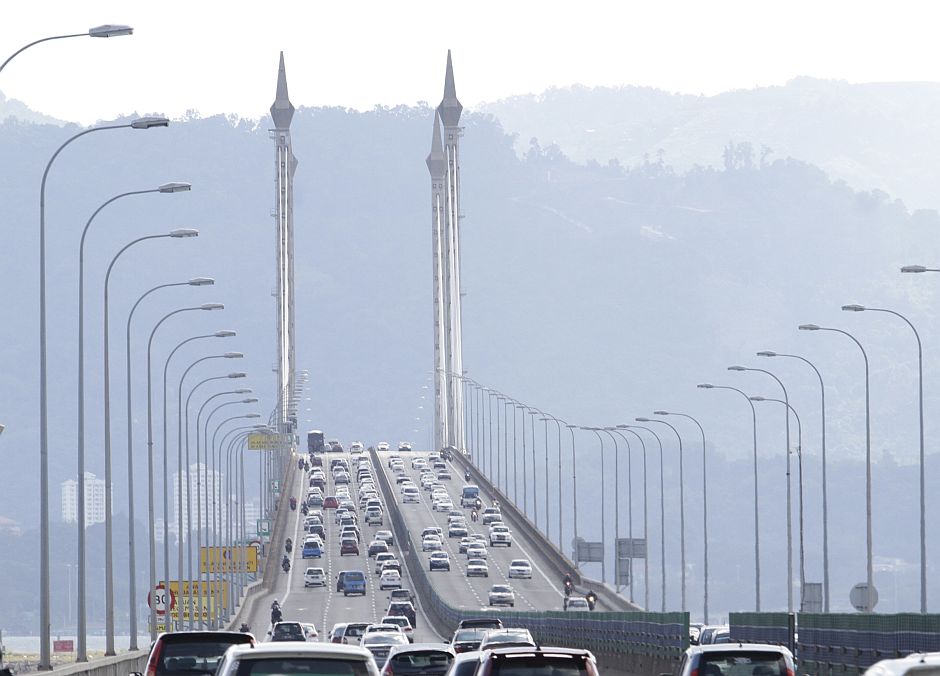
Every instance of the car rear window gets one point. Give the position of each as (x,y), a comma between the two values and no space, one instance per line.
(354,577)
(537,665)
(303,666)
(743,663)
(424,658)
(285,631)
(186,657)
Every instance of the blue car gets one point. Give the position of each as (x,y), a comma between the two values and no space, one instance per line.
(312,549)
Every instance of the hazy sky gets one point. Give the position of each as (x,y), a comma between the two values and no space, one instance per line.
(215,56)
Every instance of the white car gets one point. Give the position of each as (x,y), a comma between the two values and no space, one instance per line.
(576,603)
(385,535)
(391,579)
(500,535)
(520,568)
(431,543)
(310,631)
(382,446)
(444,505)
(477,568)
(314,577)
(308,657)
(374,516)
(402,622)
(410,495)
(477,552)
(381,559)
(502,595)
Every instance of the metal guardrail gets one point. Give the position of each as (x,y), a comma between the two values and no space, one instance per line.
(660,636)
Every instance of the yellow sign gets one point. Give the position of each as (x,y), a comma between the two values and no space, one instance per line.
(258,441)
(228,559)
(197,599)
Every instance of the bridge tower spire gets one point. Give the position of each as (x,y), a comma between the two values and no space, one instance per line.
(444,165)
(282,112)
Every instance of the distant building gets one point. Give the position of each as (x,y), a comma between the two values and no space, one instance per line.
(198,481)
(94,500)
(252,514)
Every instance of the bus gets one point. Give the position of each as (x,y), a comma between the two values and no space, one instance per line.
(470,495)
(314,441)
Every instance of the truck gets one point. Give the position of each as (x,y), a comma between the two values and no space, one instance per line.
(314,441)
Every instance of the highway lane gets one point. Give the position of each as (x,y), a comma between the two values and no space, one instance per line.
(324,606)
(537,594)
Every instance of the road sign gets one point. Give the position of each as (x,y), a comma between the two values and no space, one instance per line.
(228,559)
(264,527)
(63,646)
(157,599)
(276,485)
(812,597)
(623,572)
(863,599)
(197,598)
(589,552)
(259,441)
(631,548)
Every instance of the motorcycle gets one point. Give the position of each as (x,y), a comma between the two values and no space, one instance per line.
(300,464)
(591,600)
(289,545)
(568,588)
(474,516)
(466,475)
(304,510)
(285,563)
(244,627)
(293,503)
(276,615)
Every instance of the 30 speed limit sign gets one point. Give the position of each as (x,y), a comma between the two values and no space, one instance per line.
(160,600)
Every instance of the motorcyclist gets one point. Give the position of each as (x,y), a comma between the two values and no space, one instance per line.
(479,504)
(244,627)
(568,584)
(285,563)
(474,516)
(466,475)
(289,545)
(591,599)
(276,614)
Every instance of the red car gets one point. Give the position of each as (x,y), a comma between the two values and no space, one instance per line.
(330,502)
(349,546)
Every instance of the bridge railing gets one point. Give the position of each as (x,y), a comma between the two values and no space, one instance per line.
(637,642)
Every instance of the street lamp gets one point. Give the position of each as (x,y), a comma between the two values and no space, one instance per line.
(920,408)
(611,431)
(681,501)
(165,188)
(105,31)
(600,440)
(44,610)
(786,412)
(646,559)
(918,268)
(574,490)
(704,502)
(709,386)
(132,547)
(799,455)
(108,521)
(558,424)
(662,513)
(825,501)
(869,569)
(150,477)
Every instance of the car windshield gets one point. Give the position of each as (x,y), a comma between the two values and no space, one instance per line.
(537,665)
(303,666)
(743,663)
(191,656)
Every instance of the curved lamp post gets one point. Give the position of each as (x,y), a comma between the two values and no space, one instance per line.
(709,386)
(619,433)
(600,440)
(44,609)
(646,559)
(869,568)
(662,514)
(106,31)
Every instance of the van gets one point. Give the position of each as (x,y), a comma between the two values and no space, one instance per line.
(469,495)
(352,582)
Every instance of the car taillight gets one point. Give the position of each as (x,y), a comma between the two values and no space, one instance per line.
(154,659)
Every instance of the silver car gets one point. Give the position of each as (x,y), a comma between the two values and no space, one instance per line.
(283,658)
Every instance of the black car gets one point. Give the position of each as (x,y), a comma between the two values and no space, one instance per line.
(288,631)
(403,608)
(192,652)
(465,640)
(376,547)
(480,623)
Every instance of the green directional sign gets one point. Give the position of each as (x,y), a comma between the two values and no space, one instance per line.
(276,485)
(264,527)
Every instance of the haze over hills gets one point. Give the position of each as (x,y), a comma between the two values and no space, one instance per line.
(596,292)
(882,136)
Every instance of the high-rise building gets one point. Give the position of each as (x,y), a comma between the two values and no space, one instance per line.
(198,481)
(94,500)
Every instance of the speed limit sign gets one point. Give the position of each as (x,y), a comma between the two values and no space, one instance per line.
(159,599)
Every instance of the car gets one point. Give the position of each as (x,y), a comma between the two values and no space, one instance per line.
(313,547)
(385,535)
(351,582)
(330,502)
(442,505)
(205,648)
(317,529)
(477,568)
(507,638)
(350,532)
(356,447)
(380,643)
(480,623)
(520,568)
(380,559)
(410,495)
(379,628)
(457,530)
(491,515)
(438,464)
(352,632)
(310,630)
(314,501)
(707,633)
(444,475)
(287,631)
(431,543)
(576,603)
(465,542)
(502,595)
(537,661)
(466,640)
(389,579)
(382,446)
(403,606)
(377,547)
(745,658)
(419,659)
(477,551)
(916,664)
(336,633)
(373,516)
(465,663)
(402,622)
(304,658)
(435,530)
(500,535)
(391,564)
(404,446)
(349,546)
(314,577)
(402,595)
(439,561)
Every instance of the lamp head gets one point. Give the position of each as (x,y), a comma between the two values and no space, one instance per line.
(212,306)
(571,427)
(854,307)
(236,374)
(223,334)
(914,268)
(184,232)
(623,427)
(233,355)
(149,122)
(661,413)
(175,187)
(737,368)
(766,353)
(201,281)
(243,390)
(109,30)
(250,400)
(705,386)
(251,415)
(643,420)
(808,327)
